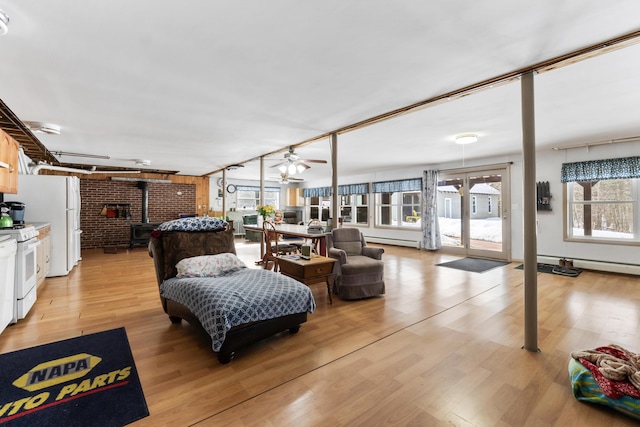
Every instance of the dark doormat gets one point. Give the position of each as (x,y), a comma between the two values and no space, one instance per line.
(554,269)
(475,265)
(86,381)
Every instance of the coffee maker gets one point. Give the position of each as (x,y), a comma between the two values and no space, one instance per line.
(16,212)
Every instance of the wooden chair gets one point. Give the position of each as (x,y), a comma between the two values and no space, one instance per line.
(273,247)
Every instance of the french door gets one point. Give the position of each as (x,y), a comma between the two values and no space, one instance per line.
(473,212)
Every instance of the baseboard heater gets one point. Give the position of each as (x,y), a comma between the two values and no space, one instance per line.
(391,241)
(587,264)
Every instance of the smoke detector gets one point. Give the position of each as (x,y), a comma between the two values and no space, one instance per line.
(4,22)
(48,128)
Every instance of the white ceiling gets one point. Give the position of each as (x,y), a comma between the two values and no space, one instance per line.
(197,86)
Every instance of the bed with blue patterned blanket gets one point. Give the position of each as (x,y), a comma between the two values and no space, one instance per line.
(244,296)
(200,280)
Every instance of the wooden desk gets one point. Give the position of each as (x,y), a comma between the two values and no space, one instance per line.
(314,270)
(319,240)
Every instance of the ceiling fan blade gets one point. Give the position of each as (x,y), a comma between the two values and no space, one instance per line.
(312,161)
(278,164)
(285,178)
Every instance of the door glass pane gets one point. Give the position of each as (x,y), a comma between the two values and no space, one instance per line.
(485,222)
(450,191)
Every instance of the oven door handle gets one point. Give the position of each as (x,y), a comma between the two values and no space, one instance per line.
(33,245)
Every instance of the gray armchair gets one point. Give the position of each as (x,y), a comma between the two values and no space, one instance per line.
(360,269)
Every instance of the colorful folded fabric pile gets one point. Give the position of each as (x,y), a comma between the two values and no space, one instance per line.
(608,375)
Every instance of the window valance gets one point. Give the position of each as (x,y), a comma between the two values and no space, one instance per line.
(347,189)
(343,190)
(596,170)
(414,184)
(316,192)
(254,188)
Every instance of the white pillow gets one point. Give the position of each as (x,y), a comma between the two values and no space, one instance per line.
(209,265)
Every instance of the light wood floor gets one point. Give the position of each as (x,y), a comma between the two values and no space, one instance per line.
(442,348)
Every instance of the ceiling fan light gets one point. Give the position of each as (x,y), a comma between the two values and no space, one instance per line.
(4,22)
(42,127)
(468,138)
(283,168)
(300,168)
(292,170)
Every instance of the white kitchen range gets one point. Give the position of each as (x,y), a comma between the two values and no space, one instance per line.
(8,249)
(24,281)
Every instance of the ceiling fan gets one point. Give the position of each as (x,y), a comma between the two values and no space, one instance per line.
(293,164)
(286,179)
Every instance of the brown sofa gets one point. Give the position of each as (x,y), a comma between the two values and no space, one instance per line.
(360,269)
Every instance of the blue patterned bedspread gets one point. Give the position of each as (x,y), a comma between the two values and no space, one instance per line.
(248,295)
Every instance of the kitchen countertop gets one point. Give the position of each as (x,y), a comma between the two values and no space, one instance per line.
(40,225)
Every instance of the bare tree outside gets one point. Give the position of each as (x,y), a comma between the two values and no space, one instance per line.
(603,208)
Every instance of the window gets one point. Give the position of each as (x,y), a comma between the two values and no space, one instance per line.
(603,210)
(474,205)
(489,204)
(317,203)
(319,207)
(346,209)
(400,209)
(248,197)
(398,203)
(602,200)
(353,199)
(354,203)
(362,208)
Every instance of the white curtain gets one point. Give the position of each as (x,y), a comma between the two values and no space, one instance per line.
(430,228)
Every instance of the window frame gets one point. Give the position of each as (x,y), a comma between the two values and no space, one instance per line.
(270,198)
(323,202)
(569,203)
(399,208)
(355,207)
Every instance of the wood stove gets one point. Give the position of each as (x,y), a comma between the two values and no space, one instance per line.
(141,233)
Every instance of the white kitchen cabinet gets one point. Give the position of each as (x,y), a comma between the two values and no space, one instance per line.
(43,254)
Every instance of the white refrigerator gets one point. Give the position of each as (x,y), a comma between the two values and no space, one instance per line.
(56,200)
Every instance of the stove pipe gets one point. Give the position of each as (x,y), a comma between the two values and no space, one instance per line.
(145,200)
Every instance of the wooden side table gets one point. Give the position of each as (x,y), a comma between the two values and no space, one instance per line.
(314,270)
